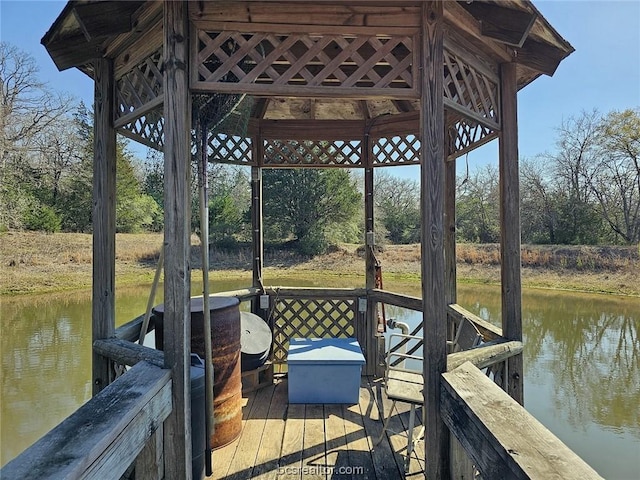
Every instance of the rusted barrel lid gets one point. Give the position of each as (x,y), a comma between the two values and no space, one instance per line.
(255,341)
(215,303)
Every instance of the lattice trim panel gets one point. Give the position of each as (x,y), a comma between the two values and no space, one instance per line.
(312,153)
(465,136)
(232,149)
(398,150)
(322,60)
(147,129)
(470,91)
(142,86)
(296,318)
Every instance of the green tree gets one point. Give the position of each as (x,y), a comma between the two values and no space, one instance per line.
(616,181)
(29,112)
(309,204)
(397,201)
(477,207)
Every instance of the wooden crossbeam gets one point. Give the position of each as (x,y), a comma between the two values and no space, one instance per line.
(506,25)
(105,18)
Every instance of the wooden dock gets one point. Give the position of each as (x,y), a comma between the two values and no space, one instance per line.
(314,441)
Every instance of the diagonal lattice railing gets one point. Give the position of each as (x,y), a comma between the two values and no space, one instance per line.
(309,318)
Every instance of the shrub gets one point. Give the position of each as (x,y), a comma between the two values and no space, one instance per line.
(313,243)
(43,218)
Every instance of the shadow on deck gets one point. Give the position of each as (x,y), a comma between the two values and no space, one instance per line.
(331,441)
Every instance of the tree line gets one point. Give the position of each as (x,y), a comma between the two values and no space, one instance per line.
(586,192)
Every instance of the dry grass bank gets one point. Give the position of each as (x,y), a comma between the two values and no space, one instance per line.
(38,263)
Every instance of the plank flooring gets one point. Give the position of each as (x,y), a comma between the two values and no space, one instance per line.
(282,441)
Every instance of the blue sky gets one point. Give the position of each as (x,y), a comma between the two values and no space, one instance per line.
(603,73)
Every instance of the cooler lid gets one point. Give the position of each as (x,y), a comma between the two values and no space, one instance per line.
(325,351)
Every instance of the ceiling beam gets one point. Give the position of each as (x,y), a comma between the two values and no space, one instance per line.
(506,25)
(539,56)
(105,18)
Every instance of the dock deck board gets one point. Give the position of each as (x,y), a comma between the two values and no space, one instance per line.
(293,441)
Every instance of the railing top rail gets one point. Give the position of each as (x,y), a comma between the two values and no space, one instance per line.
(316,292)
(104,436)
(488,330)
(502,438)
(485,355)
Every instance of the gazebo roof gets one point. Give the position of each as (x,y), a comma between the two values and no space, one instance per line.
(501,31)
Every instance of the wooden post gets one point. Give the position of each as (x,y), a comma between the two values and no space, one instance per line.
(104,218)
(177,323)
(450,232)
(510,227)
(371,317)
(432,178)
(257,232)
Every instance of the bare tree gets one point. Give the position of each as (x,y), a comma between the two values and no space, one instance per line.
(28,109)
(616,182)
(398,201)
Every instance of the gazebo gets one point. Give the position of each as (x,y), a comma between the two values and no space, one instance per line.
(336,84)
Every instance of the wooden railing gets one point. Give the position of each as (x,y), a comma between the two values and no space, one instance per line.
(123,423)
(104,437)
(501,437)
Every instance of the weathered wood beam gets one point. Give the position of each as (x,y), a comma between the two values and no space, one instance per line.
(503,24)
(104,436)
(104,219)
(450,231)
(487,330)
(260,107)
(257,224)
(313,292)
(312,129)
(371,317)
(432,177)
(391,125)
(128,353)
(504,440)
(539,56)
(486,355)
(401,14)
(105,18)
(305,91)
(396,299)
(177,154)
(74,51)
(510,226)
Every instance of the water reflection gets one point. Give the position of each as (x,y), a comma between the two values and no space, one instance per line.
(45,359)
(594,357)
(582,366)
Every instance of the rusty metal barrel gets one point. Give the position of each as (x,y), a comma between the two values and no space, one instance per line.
(225,357)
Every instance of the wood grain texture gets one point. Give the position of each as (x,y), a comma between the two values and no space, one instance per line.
(104,218)
(270,445)
(510,227)
(397,299)
(450,289)
(177,153)
(432,245)
(128,353)
(257,225)
(488,330)
(103,437)
(253,429)
(503,439)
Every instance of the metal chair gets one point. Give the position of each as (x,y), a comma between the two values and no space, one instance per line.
(403,384)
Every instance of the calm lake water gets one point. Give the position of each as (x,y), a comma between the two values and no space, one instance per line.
(581,359)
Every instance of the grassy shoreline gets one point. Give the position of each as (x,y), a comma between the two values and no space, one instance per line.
(34,263)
